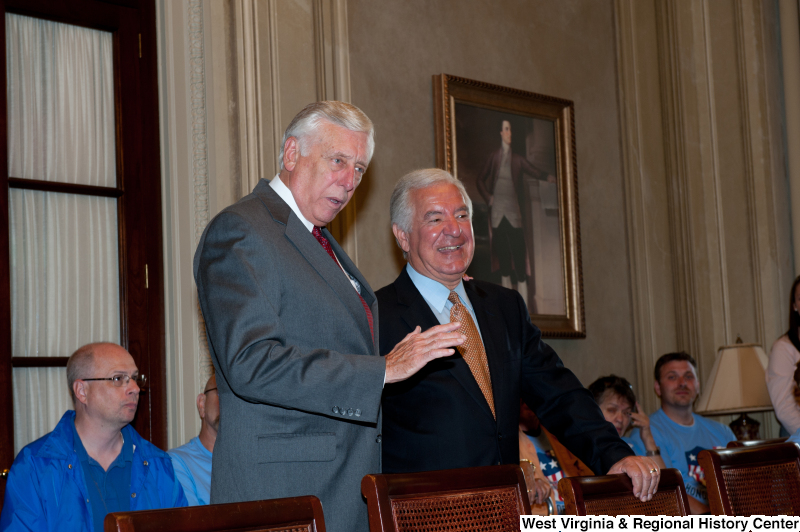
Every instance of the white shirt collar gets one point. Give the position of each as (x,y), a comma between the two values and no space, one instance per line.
(286,195)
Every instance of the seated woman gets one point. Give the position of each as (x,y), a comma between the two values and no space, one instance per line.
(616,399)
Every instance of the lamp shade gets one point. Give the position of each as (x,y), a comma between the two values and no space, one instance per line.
(737,383)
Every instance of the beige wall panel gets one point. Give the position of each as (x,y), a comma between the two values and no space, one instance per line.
(297,67)
(655,182)
(733,169)
(395,48)
(647,190)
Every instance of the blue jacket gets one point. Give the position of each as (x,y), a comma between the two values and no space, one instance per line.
(46,489)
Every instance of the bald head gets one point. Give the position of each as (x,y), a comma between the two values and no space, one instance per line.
(79,365)
(208,408)
(82,363)
(211,384)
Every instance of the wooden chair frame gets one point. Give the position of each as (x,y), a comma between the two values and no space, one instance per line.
(576,491)
(381,490)
(715,461)
(274,515)
(736,444)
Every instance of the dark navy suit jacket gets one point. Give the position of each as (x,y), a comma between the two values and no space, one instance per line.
(439,419)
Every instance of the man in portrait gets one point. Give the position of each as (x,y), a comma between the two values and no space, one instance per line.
(502,185)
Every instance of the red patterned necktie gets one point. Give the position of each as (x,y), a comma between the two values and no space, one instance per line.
(326,245)
(472,350)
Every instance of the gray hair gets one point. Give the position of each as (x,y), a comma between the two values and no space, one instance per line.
(304,125)
(79,366)
(401,209)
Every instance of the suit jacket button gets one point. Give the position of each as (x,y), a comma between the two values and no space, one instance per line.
(358,412)
(350,412)
(378,439)
(133,495)
(335,409)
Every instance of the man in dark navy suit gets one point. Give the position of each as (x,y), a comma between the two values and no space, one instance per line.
(463,410)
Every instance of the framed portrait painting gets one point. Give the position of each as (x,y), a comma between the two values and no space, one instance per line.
(515,153)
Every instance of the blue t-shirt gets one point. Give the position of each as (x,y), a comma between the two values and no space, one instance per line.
(192,464)
(635,442)
(680,446)
(795,438)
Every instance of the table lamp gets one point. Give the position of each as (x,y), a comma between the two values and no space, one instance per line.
(737,385)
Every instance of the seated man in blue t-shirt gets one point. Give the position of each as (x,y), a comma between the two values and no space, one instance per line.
(681,433)
(192,461)
(93,462)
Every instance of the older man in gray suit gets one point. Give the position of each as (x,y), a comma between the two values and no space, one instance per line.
(292,329)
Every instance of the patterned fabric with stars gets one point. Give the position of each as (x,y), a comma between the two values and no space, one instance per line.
(472,350)
(326,245)
(551,469)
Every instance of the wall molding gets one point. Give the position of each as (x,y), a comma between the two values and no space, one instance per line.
(197,71)
(643,312)
(675,151)
(790,54)
(249,97)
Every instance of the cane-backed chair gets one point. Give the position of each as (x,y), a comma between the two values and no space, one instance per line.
(613,495)
(763,480)
(454,499)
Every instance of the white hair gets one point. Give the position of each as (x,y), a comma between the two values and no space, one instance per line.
(401,209)
(304,125)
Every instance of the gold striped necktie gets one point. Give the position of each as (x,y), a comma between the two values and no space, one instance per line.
(472,350)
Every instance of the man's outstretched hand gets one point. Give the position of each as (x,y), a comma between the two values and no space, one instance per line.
(644,474)
(419,348)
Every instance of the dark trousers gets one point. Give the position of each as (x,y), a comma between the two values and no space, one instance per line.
(508,245)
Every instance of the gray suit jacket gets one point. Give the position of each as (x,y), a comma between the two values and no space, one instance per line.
(298,374)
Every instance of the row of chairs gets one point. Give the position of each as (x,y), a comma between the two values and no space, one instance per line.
(763,480)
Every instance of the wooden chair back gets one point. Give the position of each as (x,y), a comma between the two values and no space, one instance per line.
(613,495)
(735,444)
(478,498)
(294,514)
(745,481)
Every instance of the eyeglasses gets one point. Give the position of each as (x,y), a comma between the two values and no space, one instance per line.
(210,390)
(121,379)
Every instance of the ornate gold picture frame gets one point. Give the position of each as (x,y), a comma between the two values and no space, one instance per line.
(515,152)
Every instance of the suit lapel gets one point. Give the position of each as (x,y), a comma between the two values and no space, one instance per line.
(352,269)
(317,257)
(417,312)
(492,342)
(366,289)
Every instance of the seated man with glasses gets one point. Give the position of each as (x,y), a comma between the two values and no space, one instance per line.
(192,460)
(93,462)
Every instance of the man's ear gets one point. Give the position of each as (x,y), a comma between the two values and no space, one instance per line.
(402,238)
(79,389)
(657,388)
(291,151)
(201,405)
